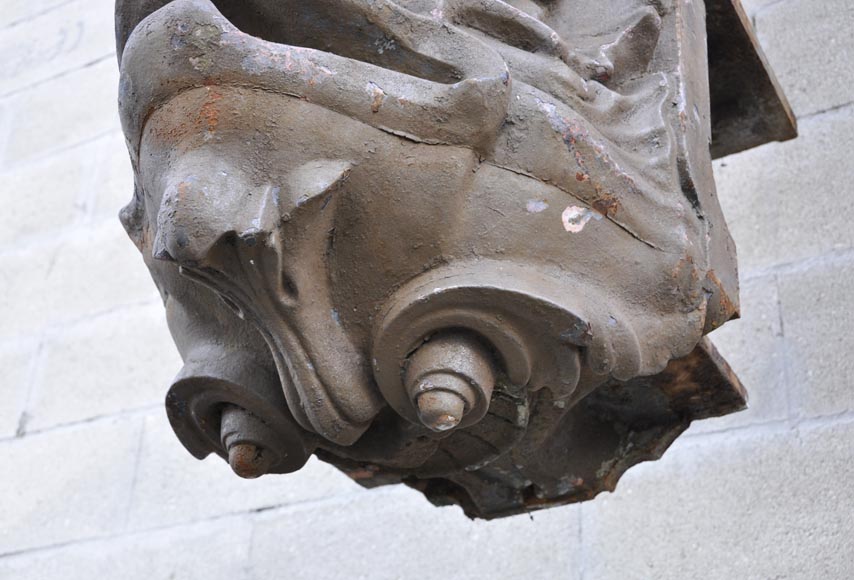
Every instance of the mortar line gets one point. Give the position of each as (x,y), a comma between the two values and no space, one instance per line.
(57,329)
(237,515)
(582,550)
(5,131)
(249,567)
(66,234)
(762,9)
(826,420)
(88,198)
(4,168)
(832,109)
(35,84)
(134,474)
(284,508)
(33,375)
(736,429)
(776,426)
(34,16)
(34,162)
(280,509)
(803,265)
(785,346)
(125,413)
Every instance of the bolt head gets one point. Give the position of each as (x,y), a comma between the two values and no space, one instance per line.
(249,461)
(440,410)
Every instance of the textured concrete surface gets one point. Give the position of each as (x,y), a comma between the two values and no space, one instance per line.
(810,46)
(61,113)
(787,202)
(815,309)
(75,34)
(67,484)
(211,550)
(103,378)
(406,538)
(93,484)
(58,178)
(16,360)
(753,504)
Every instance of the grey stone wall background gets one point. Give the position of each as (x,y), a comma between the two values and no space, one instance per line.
(93,483)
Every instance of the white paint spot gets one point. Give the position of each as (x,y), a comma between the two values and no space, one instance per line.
(536,206)
(574,218)
(384,44)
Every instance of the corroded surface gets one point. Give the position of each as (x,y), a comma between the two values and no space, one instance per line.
(748,106)
(471,246)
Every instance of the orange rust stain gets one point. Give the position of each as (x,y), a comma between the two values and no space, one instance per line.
(607,205)
(209,113)
(361,474)
(366,472)
(680,375)
(726,308)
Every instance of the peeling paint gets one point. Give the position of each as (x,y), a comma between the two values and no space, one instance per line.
(536,206)
(574,218)
(377,96)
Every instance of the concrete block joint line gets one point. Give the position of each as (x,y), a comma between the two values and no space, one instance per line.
(95,482)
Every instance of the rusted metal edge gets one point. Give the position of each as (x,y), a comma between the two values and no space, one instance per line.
(651,412)
(698,386)
(748,106)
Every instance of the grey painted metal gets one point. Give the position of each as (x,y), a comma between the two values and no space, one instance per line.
(471,246)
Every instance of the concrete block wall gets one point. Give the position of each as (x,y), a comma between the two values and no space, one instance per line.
(94,484)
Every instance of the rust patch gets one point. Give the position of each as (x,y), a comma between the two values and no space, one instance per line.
(721,306)
(607,205)
(702,384)
(360,474)
(209,113)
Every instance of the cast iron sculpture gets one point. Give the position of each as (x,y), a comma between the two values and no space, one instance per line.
(467,245)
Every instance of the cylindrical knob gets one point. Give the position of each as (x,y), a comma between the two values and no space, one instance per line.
(440,409)
(249,461)
(248,441)
(450,380)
